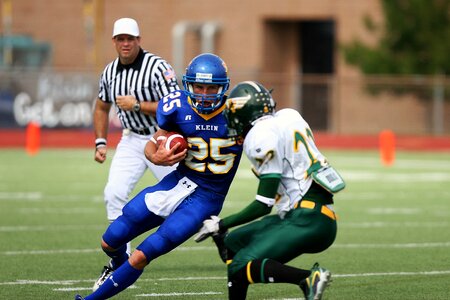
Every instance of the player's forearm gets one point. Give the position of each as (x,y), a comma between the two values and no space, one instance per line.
(254,210)
(267,188)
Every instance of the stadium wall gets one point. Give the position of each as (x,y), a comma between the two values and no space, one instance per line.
(259,39)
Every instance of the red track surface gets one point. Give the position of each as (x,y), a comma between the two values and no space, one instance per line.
(85,139)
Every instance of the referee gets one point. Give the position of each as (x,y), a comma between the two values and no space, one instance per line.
(133,82)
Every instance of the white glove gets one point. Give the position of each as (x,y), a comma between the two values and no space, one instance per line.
(210,228)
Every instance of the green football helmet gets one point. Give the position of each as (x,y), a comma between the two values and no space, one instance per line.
(247,102)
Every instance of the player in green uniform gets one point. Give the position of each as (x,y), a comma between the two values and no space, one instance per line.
(295,178)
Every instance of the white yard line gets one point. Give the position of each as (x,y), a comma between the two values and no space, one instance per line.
(38,196)
(28,196)
(379,224)
(422,273)
(75,282)
(212,248)
(394,246)
(50,252)
(21,228)
(178,294)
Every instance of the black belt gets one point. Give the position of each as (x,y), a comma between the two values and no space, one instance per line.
(144,131)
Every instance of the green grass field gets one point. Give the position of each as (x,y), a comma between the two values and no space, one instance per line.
(393,238)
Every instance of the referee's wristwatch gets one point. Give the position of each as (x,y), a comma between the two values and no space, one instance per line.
(137,106)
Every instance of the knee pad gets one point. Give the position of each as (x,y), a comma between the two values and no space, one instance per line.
(117,233)
(155,245)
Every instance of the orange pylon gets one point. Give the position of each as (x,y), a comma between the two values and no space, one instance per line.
(33,138)
(387,147)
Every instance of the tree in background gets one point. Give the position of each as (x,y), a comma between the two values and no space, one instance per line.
(415,39)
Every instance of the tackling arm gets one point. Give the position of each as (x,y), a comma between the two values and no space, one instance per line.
(253,211)
(267,189)
(218,229)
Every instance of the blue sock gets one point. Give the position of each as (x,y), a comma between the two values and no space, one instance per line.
(118,256)
(122,278)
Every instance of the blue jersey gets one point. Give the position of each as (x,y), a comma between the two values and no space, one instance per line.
(212,158)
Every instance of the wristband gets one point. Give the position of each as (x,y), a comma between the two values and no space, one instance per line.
(100,142)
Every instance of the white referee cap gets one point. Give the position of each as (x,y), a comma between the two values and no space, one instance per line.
(126,26)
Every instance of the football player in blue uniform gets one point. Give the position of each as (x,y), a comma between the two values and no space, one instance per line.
(181,201)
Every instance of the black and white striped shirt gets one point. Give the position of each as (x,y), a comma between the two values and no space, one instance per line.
(148,78)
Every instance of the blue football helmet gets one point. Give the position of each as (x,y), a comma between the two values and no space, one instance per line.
(206,68)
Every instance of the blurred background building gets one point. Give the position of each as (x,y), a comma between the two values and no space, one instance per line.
(53,51)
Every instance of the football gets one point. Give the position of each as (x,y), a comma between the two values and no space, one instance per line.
(173,138)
